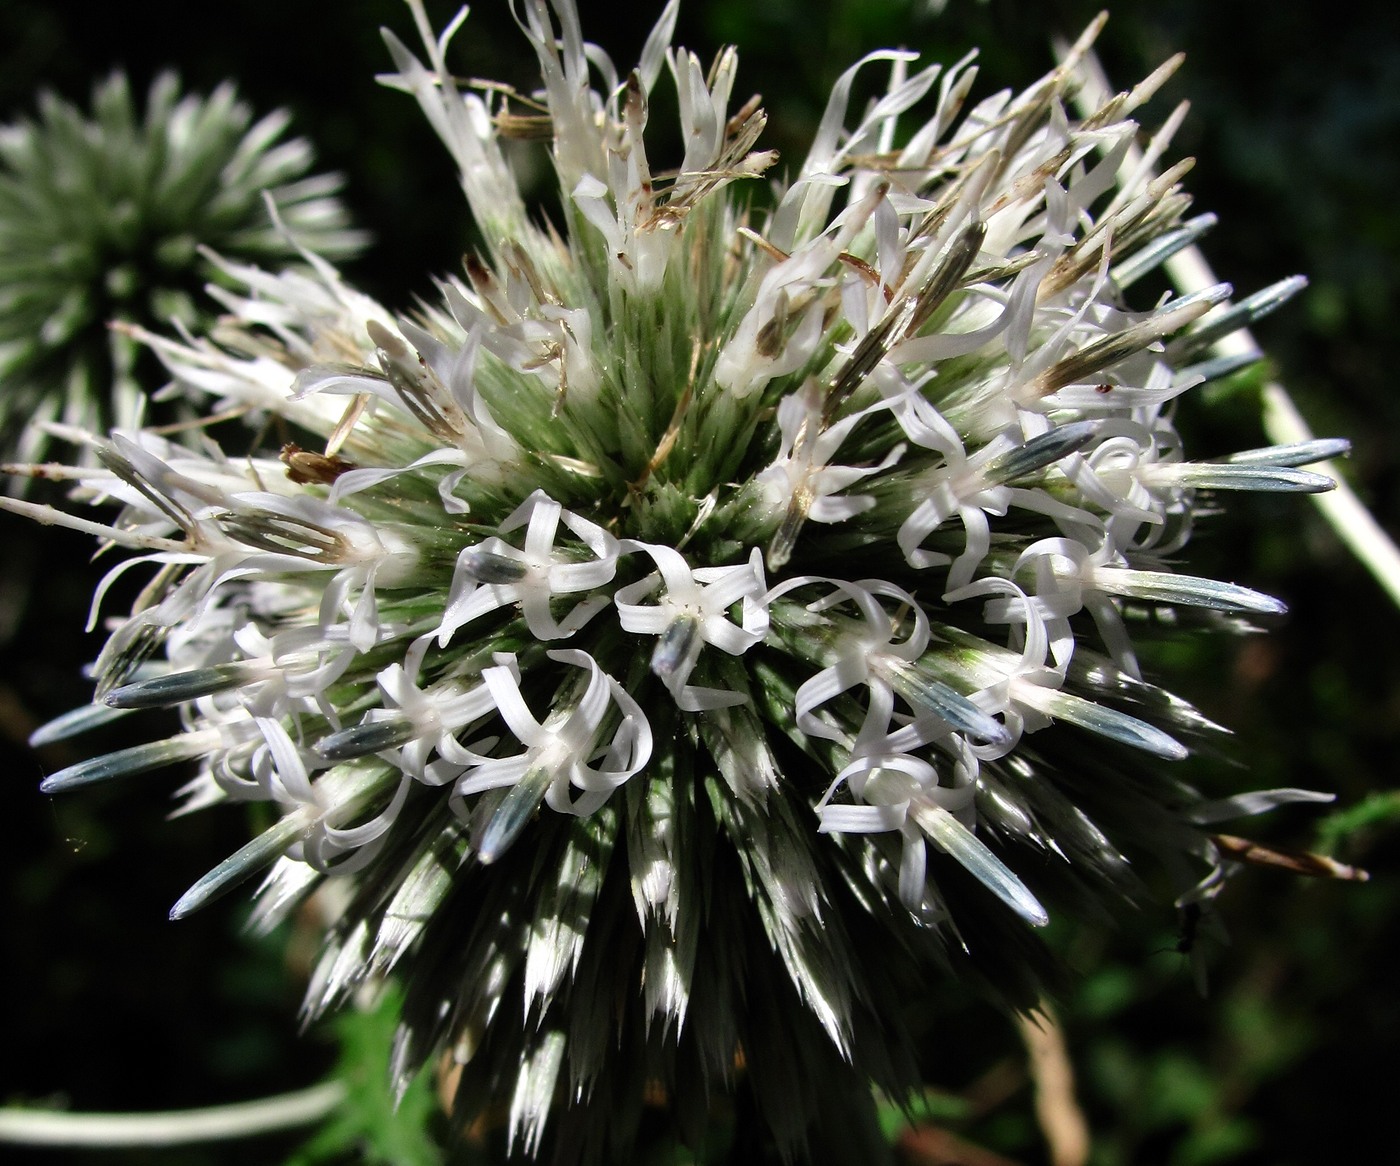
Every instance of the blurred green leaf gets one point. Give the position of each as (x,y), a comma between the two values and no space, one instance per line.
(929,1106)
(1216,1142)
(367,1126)
(1374,812)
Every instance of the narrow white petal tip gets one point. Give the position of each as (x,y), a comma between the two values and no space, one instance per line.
(71,724)
(262,851)
(955,839)
(1254,802)
(511,816)
(1188,591)
(123,762)
(1298,453)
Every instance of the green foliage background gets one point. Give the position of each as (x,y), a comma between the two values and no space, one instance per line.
(1296,124)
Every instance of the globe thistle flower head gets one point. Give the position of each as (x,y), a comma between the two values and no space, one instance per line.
(699,631)
(103,217)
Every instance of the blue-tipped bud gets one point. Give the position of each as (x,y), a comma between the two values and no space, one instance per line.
(176,687)
(366,738)
(956,840)
(245,862)
(124,762)
(1109,722)
(1128,271)
(1041,451)
(509,818)
(675,646)
(1299,453)
(1217,367)
(1237,316)
(490,567)
(70,724)
(1262,478)
(952,708)
(1187,590)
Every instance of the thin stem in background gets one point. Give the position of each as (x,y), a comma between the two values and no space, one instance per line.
(42,1127)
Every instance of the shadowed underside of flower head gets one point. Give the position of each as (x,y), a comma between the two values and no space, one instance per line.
(701,627)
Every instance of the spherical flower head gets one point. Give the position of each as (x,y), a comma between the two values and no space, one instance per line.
(699,629)
(104,219)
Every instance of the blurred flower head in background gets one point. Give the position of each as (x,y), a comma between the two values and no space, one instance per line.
(103,218)
(698,630)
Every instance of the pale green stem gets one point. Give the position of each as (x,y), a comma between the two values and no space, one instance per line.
(42,1127)
(1189,271)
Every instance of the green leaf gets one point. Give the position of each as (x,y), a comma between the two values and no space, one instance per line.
(367,1127)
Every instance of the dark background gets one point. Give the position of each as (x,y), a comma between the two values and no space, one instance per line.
(1296,125)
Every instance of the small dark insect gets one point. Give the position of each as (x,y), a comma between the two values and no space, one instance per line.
(1190,923)
(306,468)
(1103,388)
(1198,932)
